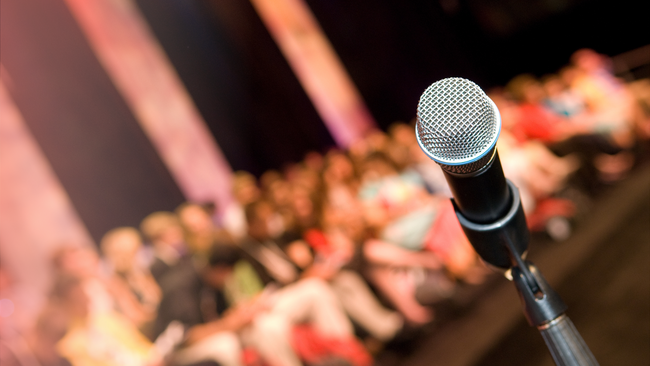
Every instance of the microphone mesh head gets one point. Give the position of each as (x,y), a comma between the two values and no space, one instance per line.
(457,125)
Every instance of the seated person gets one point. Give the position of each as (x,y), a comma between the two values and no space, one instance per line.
(130,282)
(177,273)
(164,232)
(265,253)
(97,338)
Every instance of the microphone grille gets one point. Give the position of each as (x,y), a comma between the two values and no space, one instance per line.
(457,124)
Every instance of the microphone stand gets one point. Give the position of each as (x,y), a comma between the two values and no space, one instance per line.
(542,306)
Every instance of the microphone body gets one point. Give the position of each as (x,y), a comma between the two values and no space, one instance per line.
(483,197)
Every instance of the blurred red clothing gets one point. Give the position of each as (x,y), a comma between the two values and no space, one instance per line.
(536,123)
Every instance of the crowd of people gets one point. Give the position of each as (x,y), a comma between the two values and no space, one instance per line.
(335,256)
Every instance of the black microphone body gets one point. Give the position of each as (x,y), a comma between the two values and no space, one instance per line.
(482,197)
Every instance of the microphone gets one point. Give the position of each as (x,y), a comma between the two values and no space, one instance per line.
(458,126)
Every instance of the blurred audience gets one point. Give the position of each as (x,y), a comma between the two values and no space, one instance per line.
(337,255)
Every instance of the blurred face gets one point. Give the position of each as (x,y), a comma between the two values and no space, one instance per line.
(349,221)
(377,141)
(359,150)
(405,135)
(569,75)
(307,178)
(314,161)
(588,60)
(173,235)
(247,192)
(280,192)
(259,226)
(196,220)
(121,252)
(508,109)
(398,153)
(301,202)
(339,169)
(553,86)
(376,169)
(533,92)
